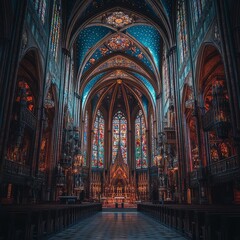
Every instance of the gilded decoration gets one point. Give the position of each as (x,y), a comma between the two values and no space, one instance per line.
(119,186)
(92,60)
(119,62)
(119,19)
(119,43)
(104,51)
(119,74)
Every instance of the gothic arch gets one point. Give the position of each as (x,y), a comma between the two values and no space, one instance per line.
(140,70)
(25,113)
(31,63)
(212,76)
(74,27)
(213,56)
(104,59)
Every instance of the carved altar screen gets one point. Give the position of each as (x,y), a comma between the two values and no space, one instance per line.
(119,135)
(140,141)
(98,142)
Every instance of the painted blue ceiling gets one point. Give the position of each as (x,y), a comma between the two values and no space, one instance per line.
(149,37)
(87,38)
(98,54)
(148,85)
(89,86)
(144,60)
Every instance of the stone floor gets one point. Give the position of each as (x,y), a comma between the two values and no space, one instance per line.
(118,225)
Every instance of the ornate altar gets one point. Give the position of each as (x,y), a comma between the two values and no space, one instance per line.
(119,185)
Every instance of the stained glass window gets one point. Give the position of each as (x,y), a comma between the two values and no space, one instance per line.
(85,138)
(119,135)
(181,31)
(140,141)
(40,7)
(197,9)
(152,138)
(98,141)
(24,93)
(165,75)
(55,30)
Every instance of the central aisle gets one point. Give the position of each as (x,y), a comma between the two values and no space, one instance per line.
(118,225)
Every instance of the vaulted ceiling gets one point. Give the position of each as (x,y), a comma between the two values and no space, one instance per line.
(117,47)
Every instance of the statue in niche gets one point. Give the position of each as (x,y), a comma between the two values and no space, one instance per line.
(225,151)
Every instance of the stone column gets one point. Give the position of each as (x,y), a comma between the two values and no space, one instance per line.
(61,103)
(172,60)
(158,113)
(11,46)
(65,57)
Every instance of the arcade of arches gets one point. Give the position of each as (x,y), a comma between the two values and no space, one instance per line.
(120,101)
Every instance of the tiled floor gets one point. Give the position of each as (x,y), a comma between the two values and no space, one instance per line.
(118,225)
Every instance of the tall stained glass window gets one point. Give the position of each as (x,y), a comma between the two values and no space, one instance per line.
(85,138)
(40,7)
(140,141)
(55,29)
(165,74)
(182,31)
(197,9)
(152,138)
(98,142)
(119,135)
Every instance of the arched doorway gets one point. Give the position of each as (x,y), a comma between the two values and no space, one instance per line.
(21,150)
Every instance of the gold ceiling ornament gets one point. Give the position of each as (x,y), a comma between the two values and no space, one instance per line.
(119,19)
(118,74)
(119,43)
(119,81)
